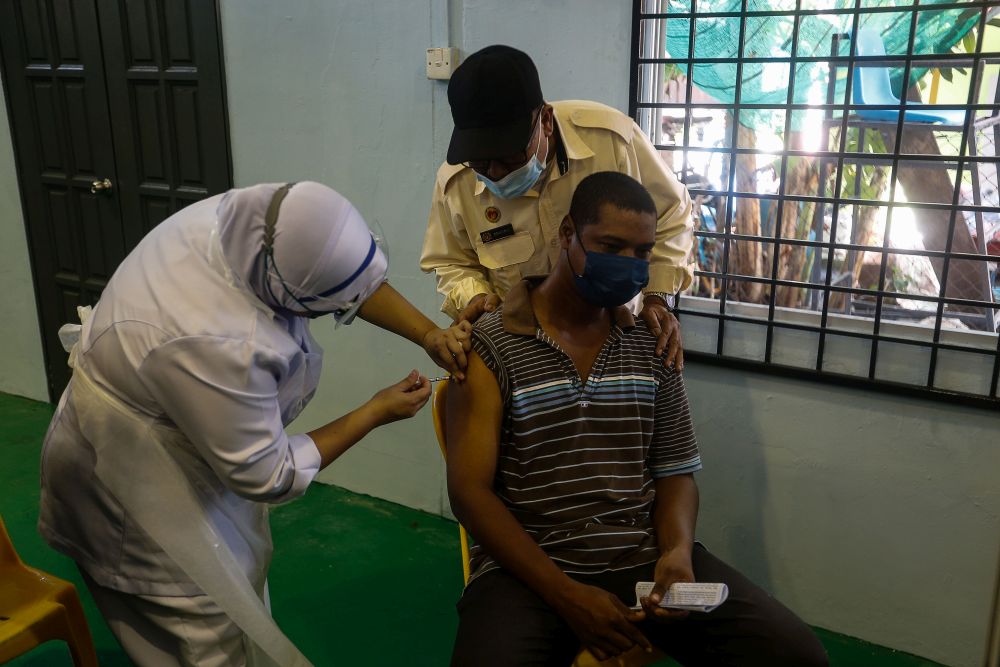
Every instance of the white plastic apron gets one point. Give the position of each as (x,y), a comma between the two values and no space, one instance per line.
(185,533)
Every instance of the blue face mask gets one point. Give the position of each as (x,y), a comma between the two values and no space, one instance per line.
(609,280)
(519,181)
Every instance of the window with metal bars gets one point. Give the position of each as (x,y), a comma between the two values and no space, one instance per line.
(842,160)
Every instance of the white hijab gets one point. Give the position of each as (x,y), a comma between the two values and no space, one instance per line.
(322,248)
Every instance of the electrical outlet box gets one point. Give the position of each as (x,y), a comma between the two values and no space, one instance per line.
(441,62)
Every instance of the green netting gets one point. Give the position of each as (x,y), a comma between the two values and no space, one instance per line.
(771,36)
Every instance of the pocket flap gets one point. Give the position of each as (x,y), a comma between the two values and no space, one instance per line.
(505,252)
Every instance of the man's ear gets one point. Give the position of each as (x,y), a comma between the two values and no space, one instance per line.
(566,231)
(548,120)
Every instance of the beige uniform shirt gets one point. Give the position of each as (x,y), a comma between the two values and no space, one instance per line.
(458,245)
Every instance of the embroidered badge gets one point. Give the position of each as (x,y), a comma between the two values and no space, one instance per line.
(492,214)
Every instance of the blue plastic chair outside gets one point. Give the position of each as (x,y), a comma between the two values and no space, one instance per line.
(872,87)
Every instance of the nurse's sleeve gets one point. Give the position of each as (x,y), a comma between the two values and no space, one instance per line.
(223,395)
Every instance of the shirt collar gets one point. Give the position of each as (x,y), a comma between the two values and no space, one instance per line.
(480,186)
(519,317)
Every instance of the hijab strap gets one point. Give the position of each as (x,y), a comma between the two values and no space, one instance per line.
(271,217)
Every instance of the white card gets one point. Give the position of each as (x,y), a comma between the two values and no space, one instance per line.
(686,596)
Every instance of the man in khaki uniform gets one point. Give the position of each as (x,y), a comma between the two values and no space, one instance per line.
(513,164)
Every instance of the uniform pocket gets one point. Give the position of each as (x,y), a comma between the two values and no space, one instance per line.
(506,252)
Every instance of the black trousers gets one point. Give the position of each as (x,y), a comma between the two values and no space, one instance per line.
(503,623)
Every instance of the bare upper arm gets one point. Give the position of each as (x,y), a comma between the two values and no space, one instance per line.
(474,411)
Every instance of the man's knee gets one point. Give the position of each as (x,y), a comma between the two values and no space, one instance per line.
(794,644)
(777,649)
(798,647)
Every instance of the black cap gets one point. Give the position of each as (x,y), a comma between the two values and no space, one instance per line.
(492,95)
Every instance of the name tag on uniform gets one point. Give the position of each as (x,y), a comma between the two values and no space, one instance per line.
(497,233)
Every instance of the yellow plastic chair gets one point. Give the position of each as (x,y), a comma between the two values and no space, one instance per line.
(633,658)
(36,607)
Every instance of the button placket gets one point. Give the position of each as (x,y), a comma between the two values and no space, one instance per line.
(569,368)
(583,389)
(597,370)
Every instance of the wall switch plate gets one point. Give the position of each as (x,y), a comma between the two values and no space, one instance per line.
(441,62)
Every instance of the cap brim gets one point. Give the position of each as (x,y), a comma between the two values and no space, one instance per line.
(488,143)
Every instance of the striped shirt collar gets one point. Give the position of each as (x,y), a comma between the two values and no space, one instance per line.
(519,316)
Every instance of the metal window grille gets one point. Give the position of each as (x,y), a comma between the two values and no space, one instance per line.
(838,233)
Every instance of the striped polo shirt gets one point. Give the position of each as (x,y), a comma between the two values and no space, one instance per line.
(577,459)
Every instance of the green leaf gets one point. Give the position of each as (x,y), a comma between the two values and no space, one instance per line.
(969,42)
(966,15)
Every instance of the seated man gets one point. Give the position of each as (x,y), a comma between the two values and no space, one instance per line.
(571,463)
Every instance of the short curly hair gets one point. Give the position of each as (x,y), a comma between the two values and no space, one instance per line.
(608,187)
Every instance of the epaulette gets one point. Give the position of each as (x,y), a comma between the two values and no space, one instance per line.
(448,172)
(594,114)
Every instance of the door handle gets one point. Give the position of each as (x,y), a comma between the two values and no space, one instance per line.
(101,186)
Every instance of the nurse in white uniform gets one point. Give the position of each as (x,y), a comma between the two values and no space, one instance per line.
(169,443)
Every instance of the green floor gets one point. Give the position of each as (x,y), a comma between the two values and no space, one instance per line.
(355,580)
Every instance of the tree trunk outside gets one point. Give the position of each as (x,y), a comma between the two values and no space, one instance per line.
(745,256)
(801,179)
(967,279)
(861,234)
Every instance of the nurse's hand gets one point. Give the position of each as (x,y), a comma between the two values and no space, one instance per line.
(402,400)
(477,307)
(448,348)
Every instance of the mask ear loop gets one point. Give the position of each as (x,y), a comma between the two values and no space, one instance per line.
(270,222)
